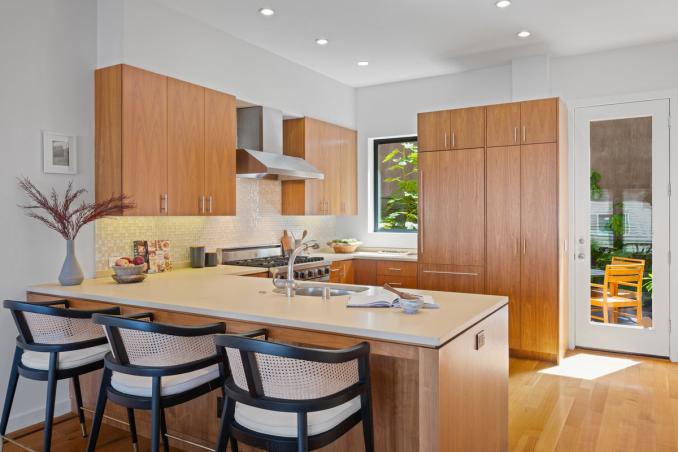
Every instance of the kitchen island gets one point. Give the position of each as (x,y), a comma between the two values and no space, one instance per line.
(439,377)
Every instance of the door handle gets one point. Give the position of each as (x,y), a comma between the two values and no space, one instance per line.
(440,272)
(202,204)
(524,134)
(163,202)
(581,256)
(210,204)
(454,141)
(515,134)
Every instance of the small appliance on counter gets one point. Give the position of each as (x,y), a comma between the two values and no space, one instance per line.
(211,259)
(271,258)
(197,254)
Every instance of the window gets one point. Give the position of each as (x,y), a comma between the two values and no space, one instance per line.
(396,184)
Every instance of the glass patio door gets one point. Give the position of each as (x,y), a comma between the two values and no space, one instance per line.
(621,210)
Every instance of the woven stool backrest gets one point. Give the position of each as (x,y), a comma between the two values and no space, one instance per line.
(145,348)
(295,379)
(51,329)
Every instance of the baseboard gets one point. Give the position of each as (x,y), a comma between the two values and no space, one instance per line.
(29,418)
(529,354)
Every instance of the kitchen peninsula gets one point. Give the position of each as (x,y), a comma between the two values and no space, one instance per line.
(439,377)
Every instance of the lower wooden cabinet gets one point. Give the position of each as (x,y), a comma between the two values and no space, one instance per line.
(452,278)
(341,272)
(365,272)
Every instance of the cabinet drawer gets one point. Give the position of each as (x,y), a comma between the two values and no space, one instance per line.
(409,282)
(396,268)
(452,278)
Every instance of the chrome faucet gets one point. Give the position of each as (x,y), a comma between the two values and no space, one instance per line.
(289,284)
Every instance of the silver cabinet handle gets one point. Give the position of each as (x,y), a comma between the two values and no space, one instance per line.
(394,284)
(524,134)
(392,269)
(454,140)
(163,202)
(445,140)
(440,272)
(515,134)
(210,204)
(202,204)
(524,246)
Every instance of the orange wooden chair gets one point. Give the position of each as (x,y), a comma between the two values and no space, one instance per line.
(607,296)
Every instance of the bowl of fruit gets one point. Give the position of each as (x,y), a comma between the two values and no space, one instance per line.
(343,246)
(127,270)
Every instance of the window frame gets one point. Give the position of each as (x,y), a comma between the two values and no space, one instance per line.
(376,187)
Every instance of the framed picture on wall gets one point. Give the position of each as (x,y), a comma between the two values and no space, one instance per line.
(59,154)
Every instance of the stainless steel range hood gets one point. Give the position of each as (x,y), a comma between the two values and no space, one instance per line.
(260,149)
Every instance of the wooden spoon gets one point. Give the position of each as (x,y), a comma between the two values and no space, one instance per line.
(401,294)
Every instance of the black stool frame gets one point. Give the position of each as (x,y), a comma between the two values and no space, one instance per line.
(117,361)
(25,342)
(254,396)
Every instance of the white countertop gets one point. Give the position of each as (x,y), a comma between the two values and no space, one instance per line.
(370,255)
(219,292)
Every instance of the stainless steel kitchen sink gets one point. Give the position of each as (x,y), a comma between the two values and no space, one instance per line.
(317,290)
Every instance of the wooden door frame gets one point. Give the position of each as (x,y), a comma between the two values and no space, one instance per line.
(672,96)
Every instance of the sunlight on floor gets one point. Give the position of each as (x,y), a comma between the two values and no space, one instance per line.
(589,367)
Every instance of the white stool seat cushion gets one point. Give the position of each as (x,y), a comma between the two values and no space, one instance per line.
(285,424)
(173,384)
(66,360)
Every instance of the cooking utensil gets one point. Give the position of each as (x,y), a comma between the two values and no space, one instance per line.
(303,236)
(400,293)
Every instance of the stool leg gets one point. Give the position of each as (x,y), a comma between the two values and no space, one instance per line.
(155,415)
(99,410)
(133,429)
(78,401)
(163,431)
(366,413)
(302,433)
(51,395)
(11,390)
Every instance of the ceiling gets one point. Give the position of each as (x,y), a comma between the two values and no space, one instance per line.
(406,39)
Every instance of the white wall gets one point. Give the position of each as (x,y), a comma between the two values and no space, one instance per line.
(163,40)
(48,52)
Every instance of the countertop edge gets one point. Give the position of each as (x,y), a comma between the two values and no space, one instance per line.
(363,333)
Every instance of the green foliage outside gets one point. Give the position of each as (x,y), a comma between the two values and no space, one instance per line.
(399,213)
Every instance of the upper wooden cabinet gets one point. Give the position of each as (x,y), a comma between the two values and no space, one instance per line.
(463,128)
(503,125)
(168,144)
(331,149)
(539,121)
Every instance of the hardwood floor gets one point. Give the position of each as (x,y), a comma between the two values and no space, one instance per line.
(592,402)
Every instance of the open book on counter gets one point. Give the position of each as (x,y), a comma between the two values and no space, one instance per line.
(382,298)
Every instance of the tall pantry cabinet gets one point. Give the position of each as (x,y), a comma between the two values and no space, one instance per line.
(497,224)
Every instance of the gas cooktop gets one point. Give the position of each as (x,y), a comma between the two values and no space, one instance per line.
(272,261)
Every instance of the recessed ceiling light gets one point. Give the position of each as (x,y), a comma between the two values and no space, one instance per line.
(363,63)
(266,12)
(322,41)
(524,34)
(503,3)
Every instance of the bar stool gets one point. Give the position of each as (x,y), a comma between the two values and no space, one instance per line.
(54,343)
(153,366)
(287,398)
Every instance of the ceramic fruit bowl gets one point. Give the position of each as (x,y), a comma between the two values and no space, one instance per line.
(129,270)
(129,278)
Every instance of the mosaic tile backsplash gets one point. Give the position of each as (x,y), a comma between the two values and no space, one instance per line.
(257,221)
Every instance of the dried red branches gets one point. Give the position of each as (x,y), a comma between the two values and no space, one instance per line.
(61,215)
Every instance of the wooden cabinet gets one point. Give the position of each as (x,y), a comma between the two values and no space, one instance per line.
(433,131)
(503,125)
(539,121)
(452,207)
(331,149)
(365,272)
(185,148)
(491,217)
(164,142)
(220,138)
(135,101)
(397,274)
(462,128)
(503,236)
(341,272)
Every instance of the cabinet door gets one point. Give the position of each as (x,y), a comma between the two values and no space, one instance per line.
(365,272)
(503,124)
(539,120)
(186,148)
(144,140)
(342,272)
(433,131)
(316,134)
(348,170)
(452,278)
(332,148)
(452,207)
(220,137)
(503,231)
(539,247)
(467,126)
